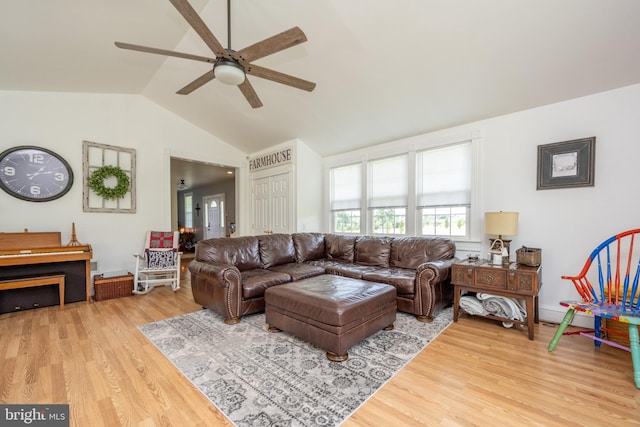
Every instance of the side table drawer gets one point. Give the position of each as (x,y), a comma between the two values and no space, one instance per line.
(491,278)
(525,282)
(462,274)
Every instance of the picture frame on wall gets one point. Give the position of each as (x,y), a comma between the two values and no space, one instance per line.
(566,164)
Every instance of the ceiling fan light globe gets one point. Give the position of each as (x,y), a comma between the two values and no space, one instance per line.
(229,73)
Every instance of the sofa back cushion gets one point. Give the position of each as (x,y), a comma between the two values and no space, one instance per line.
(410,252)
(308,246)
(339,247)
(276,249)
(372,250)
(242,252)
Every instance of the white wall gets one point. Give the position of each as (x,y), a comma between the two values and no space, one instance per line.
(60,122)
(308,189)
(566,223)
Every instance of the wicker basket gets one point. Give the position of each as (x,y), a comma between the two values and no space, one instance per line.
(529,256)
(112,287)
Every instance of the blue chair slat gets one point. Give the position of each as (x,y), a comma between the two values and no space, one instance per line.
(614,297)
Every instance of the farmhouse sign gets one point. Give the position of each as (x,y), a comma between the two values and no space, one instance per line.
(269,160)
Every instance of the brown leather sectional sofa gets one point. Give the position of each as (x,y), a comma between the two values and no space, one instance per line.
(230,275)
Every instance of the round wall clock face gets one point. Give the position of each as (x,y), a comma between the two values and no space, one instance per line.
(34,173)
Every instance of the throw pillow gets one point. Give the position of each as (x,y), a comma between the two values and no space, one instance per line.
(161,258)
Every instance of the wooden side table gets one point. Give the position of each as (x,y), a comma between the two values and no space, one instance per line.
(512,280)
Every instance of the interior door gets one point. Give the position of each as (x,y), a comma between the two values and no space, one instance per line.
(280,203)
(214,224)
(272,204)
(261,211)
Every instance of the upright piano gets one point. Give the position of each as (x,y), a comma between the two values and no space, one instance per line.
(27,253)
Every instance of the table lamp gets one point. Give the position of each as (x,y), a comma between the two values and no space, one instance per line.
(501,223)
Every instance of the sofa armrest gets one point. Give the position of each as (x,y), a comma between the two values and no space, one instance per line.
(435,271)
(433,286)
(219,273)
(217,287)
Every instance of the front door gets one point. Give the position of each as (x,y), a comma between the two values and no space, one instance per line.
(214,220)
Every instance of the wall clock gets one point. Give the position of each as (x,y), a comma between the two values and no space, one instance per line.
(34,173)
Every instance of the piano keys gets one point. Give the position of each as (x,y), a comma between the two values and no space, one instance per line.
(30,253)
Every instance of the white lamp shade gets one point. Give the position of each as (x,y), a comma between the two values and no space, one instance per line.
(229,73)
(501,223)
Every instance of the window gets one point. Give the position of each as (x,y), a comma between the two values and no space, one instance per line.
(188,210)
(346,189)
(443,197)
(388,182)
(415,188)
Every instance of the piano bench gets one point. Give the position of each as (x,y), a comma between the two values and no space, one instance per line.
(36,280)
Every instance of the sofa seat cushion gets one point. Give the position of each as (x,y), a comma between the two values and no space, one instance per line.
(403,279)
(349,270)
(298,271)
(254,282)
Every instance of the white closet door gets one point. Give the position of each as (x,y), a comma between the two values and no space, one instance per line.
(272,204)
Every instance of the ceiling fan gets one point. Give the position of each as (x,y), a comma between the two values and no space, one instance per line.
(230,66)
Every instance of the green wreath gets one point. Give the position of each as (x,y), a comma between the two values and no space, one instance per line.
(96,182)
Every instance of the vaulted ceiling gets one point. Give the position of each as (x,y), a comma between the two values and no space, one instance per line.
(384,69)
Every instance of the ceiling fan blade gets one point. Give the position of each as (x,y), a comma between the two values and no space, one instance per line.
(192,17)
(200,81)
(284,40)
(247,90)
(164,52)
(278,77)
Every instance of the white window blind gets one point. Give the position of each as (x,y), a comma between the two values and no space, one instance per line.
(388,182)
(444,176)
(346,187)
(188,210)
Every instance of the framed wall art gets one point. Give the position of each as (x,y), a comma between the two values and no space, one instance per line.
(109,178)
(566,164)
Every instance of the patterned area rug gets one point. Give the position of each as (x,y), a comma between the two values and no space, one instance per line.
(257,378)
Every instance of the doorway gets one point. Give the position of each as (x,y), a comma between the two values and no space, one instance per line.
(201,179)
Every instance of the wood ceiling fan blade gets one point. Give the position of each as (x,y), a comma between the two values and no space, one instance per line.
(200,81)
(147,49)
(284,40)
(278,77)
(247,90)
(192,17)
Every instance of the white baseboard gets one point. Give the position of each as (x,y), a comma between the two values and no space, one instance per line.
(556,314)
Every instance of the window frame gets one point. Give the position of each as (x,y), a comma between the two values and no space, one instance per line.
(410,146)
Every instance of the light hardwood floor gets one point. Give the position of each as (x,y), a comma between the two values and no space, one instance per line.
(476,373)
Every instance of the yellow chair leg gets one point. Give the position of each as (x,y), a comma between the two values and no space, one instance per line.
(561,328)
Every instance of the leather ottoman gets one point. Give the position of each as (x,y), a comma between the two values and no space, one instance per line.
(332,312)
